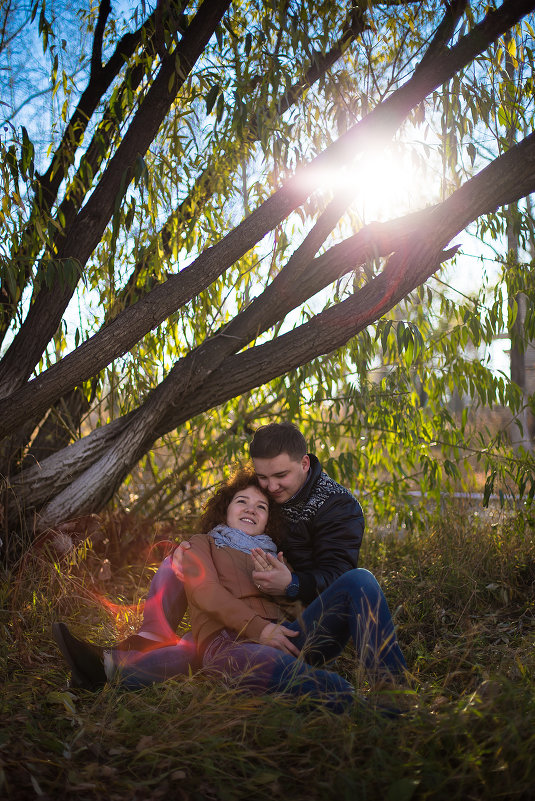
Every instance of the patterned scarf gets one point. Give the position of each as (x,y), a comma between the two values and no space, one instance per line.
(226,537)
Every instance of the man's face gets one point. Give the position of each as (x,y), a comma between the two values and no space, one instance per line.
(282,476)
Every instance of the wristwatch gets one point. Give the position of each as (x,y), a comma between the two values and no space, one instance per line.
(292,589)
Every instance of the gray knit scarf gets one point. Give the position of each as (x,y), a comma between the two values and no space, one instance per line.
(227,537)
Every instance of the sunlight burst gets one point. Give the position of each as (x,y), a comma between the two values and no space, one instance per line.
(385,183)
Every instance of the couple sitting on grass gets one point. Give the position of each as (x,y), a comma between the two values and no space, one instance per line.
(264,623)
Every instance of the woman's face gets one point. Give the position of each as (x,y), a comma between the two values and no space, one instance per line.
(248,511)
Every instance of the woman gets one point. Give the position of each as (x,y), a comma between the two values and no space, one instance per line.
(265,643)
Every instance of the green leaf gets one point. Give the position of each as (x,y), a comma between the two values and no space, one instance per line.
(451,469)
(471,152)
(141,175)
(11,281)
(401,336)
(50,274)
(65,699)
(211,97)
(384,335)
(220,109)
(489,487)
(512,313)
(27,152)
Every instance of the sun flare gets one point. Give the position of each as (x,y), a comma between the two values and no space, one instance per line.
(384,183)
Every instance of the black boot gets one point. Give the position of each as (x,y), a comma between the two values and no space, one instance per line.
(85,660)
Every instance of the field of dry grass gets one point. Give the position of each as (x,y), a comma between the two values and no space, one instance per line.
(463,596)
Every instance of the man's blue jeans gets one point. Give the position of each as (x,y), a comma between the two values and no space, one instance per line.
(352,608)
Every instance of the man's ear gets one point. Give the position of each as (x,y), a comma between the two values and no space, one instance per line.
(305,463)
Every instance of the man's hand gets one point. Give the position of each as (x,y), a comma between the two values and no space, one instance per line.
(176,559)
(270,574)
(277,636)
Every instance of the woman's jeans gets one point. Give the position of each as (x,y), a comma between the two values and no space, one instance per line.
(352,608)
(161,654)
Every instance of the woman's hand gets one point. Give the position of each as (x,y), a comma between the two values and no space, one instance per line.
(176,559)
(276,636)
(270,574)
(260,559)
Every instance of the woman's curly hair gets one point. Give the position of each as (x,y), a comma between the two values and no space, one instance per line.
(215,511)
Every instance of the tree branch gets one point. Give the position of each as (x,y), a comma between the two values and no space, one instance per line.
(131,324)
(253,367)
(46,312)
(203,187)
(444,32)
(48,184)
(96,55)
(96,88)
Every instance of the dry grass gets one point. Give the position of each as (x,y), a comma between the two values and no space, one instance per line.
(463,597)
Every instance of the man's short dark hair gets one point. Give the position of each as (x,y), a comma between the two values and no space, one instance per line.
(276,438)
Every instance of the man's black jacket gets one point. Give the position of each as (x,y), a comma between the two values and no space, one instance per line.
(324,531)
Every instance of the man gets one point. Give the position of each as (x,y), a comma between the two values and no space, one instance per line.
(324,523)
(323,528)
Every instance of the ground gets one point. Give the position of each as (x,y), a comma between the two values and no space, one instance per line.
(462,593)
